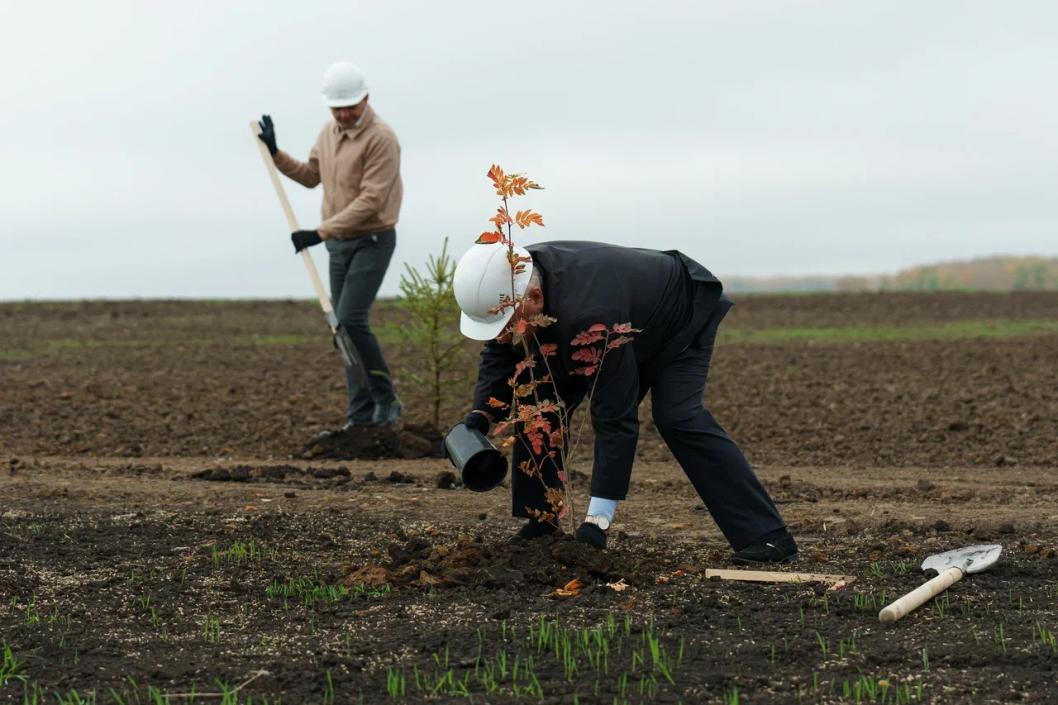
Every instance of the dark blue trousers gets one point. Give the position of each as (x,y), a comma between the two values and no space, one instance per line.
(357,267)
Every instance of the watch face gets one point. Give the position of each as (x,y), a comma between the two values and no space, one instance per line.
(601,522)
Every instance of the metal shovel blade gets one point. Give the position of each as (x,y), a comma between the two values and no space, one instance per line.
(350,355)
(972,559)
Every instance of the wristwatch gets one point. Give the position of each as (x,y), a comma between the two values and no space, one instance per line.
(600,521)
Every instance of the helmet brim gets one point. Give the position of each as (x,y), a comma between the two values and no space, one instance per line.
(344,102)
(484,330)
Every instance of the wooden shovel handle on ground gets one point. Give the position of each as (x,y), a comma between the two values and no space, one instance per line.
(920,595)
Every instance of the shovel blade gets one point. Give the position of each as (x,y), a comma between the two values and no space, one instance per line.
(971,559)
(350,355)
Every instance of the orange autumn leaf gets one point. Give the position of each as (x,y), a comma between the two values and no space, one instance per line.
(497,404)
(586,338)
(499,179)
(489,238)
(548,406)
(526,364)
(541,321)
(589,355)
(526,218)
(520,184)
(501,218)
(524,390)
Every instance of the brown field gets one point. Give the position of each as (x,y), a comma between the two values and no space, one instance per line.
(163,534)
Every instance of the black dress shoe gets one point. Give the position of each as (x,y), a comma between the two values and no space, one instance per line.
(592,535)
(534,529)
(774,547)
(387,414)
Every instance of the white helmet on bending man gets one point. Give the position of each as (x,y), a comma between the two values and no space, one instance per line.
(482,280)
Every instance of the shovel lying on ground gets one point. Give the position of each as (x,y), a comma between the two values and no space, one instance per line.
(342,341)
(951,566)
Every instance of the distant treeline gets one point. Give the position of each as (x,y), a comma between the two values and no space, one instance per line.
(999,273)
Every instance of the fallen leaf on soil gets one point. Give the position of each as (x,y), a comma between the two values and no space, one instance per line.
(619,586)
(666,578)
(249,508)
(570,589)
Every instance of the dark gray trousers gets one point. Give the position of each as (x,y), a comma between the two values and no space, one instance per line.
(712,461)
(357,267)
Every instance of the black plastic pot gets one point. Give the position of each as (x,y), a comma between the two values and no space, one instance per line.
(480,465)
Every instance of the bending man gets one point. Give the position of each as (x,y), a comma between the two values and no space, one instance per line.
(678,306)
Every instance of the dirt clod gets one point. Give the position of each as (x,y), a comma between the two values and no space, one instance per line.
(547,562)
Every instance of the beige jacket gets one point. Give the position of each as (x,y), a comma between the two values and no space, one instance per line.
(360,171)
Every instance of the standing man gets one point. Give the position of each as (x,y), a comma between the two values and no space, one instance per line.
(677,305)
(357,159)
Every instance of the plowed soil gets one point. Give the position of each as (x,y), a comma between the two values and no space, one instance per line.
(168,525)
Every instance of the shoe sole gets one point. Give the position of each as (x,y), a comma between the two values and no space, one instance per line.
(784,561)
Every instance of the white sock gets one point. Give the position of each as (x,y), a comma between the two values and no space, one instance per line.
(599,507)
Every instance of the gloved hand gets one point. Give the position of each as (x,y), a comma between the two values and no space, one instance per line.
(478,422)
(305,238)
(268,134)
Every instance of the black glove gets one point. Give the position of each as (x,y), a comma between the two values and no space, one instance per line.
(478,422)
(268,134)
(305,238)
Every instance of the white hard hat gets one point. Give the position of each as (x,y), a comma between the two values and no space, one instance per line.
(343,85)
(482,279)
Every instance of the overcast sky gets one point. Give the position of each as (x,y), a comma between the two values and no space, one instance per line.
(758,137)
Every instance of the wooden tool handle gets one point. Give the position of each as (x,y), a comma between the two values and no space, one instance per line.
(920,595)
(321,293)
